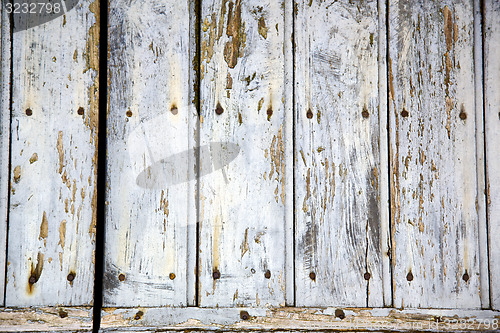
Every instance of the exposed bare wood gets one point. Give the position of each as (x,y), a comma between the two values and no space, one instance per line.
(4,139)
(150,154)
(243,204)
(492,124)
(45,319)
(54,160)
(433,154)
(337,155)
(310,319)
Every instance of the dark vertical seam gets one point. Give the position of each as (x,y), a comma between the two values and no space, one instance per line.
(197,90)
(101,165)
(293,152)
(389,161)
(485,164)
(11,98)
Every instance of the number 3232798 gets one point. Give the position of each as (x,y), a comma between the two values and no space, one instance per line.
(33,8)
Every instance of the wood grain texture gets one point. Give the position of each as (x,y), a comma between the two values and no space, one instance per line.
(290,319)
(337,155)
(5,48)
(242,205)
(54,161)
(46,319)
(433,154)
(150,166)
(492,128)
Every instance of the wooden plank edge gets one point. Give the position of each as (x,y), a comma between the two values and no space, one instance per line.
(385,238)
(5,76)
(46,319)
(480,155)
(310,319)
(289,157)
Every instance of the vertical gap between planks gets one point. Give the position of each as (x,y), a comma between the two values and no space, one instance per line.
(10,41)
(390,247)
(290,153)
(384,153)
(482,182)
(101,164)
(194,258)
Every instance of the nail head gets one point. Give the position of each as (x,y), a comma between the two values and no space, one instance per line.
(32,279)
(129,113)
(309,114)
(339,313)
(367,276)
(267,275)
(312,276)
(219,110)
(409,276)
(171,276)
(70,277)
(404,113)
(121,277)
(80,111)
(216,275)
(29,112)
(244,315)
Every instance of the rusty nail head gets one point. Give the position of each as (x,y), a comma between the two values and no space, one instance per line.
(244,315)
(219,109)
(80,111)
(216,275)
(121,277)
(267,274)
(463,115)
(29,112)
(171,276)
(174,110)
(465,276)
(409,276)
(270,111)
(404,113)
(309,114)
(71,277)
(62,313)
(365,113)
(129,113)
(339,313)
(32,279)
(367,276)
(138,315)
(312,275)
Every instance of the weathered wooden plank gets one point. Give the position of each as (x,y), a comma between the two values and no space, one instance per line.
(484,283)
(301,319)
(54,167)
(150,135)
(5,48)
(433,154)
(492,128)
(288,146)
(46,319)
(385,233)
(243,204)
(337,155)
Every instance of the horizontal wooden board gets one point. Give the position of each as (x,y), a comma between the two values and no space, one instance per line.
(302,319)
(433,154)
(150,155)
(242,204)
(492,128)
(337,155)
(54,160)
